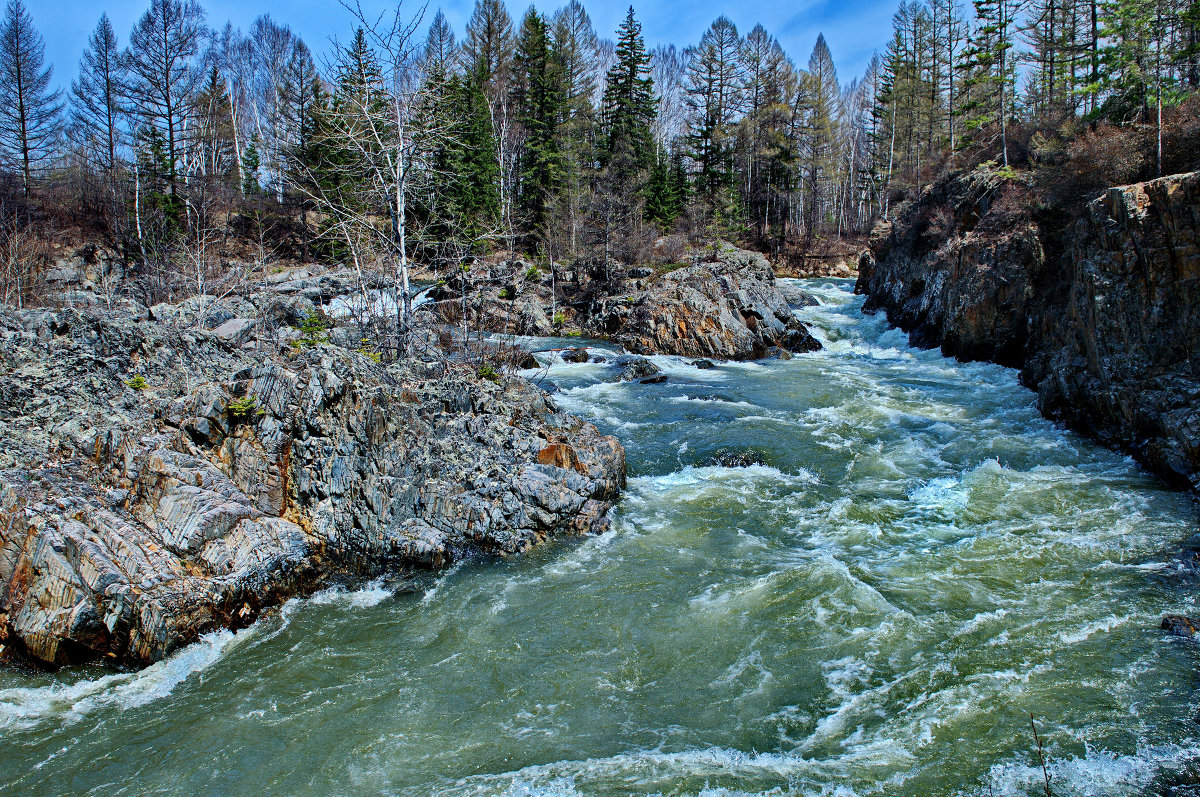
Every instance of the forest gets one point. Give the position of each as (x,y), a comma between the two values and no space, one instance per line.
(187,151)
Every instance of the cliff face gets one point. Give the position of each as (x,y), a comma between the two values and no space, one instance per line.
(138,513)
(1102,317)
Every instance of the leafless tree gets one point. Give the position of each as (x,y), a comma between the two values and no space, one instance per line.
(164,74)
(30,113)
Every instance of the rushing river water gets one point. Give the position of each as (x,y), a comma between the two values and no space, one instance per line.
(922,563)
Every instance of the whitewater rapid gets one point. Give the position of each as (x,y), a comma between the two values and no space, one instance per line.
(919,563)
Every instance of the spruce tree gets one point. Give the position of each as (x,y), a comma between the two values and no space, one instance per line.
(541,104)
(628,108)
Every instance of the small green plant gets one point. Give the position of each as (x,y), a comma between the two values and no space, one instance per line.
(315,330)
(366,351)
(534,273)
(489,373)
(138,383)
(505,293)
(574,334)
(559,319)
(243,410)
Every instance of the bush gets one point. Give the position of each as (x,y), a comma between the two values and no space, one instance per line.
(533,274)
(243,410)
(137,383)
(489,373)
(315,329)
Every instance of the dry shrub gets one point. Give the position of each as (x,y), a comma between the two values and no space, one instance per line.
(1098,159)
(1181,137)
(671,248)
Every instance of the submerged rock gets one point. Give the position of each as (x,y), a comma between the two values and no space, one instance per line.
(156,484)
(735,459)
(1177,625)
(574,355)
(704,365)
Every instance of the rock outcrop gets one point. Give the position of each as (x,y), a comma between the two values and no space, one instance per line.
(1101,315)
(727,308)
(157,483)
(722,304)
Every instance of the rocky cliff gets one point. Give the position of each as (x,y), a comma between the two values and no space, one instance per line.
(1101,314)
(157,483)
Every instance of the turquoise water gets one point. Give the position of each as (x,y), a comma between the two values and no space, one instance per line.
(922,563)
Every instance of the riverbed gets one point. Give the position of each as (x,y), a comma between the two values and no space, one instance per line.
(919,564)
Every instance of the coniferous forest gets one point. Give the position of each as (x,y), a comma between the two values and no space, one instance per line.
(411,143)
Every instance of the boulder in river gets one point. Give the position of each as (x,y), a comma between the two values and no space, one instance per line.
(632,368)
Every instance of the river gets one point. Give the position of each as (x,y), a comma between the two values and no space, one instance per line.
(920,564)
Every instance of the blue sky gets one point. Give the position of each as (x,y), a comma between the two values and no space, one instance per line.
(854,28)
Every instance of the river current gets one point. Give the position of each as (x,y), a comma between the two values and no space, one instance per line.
(920,564)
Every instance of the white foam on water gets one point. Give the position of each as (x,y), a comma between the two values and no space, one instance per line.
(25,707)
(370,594)
(1098,773)
(644,772)
(1105,625)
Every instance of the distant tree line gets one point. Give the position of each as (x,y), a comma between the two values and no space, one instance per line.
(540,137)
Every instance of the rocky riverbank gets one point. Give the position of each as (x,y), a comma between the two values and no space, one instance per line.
(1101,314)
(722,303)
(158,481)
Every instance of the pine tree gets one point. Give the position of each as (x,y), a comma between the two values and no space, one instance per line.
(441,50)
(576,44)
(821,133)
(96,96)
(990,71)
(29,110)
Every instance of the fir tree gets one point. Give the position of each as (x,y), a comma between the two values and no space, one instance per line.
(629,104)
(541,103)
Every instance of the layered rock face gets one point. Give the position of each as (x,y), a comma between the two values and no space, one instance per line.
(723,304)
(156,484)
(728,308)
(1103,317)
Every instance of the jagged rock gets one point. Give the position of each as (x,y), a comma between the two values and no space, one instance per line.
(133,519)
(729,308)
(528,362)
(237,330)
(1102,317)
(574,355)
